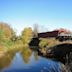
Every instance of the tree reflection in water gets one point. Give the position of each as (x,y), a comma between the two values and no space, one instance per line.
(26,54)
(6,60)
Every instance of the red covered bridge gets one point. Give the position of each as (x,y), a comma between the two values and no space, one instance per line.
(48,34)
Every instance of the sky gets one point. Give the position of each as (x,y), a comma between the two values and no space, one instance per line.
(48,14)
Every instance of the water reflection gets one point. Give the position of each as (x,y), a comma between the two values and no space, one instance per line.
(27,60)
(36,55)
(6,60)
(26,54)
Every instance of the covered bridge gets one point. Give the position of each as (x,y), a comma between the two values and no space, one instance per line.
(48,34)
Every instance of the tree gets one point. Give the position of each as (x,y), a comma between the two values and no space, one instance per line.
(27,35)
(6,31)
(1,35)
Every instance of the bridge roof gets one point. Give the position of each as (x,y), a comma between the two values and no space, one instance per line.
(48,34)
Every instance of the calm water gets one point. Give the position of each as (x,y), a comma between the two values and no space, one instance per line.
(27,61)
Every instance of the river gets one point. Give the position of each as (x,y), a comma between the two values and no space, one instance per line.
(27,60)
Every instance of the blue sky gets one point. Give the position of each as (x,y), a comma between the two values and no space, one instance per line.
(48,14)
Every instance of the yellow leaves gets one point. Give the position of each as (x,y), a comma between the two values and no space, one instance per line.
(27,32)
(27,35)
(48,41)
(7,30)
(6,33)
(43,50)
(43,42)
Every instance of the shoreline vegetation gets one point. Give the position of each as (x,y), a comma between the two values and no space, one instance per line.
(9,41)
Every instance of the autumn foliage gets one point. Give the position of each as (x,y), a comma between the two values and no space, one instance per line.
(6,31)
(27,35)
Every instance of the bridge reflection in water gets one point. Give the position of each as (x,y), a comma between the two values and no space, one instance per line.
(57,48)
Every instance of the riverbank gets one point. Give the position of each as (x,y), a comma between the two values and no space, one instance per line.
(12,46)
